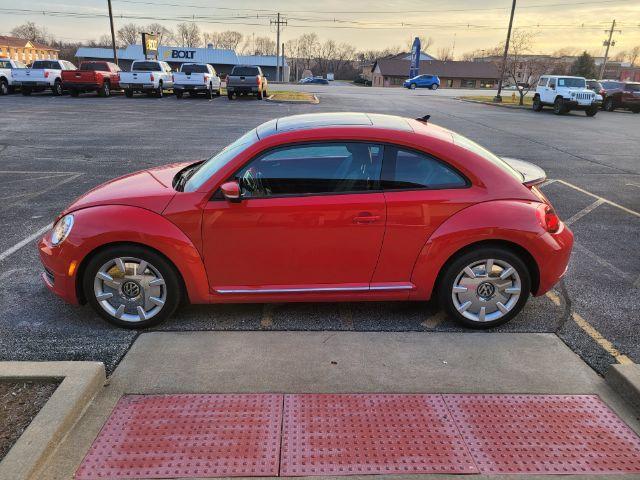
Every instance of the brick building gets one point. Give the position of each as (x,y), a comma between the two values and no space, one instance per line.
(26,51)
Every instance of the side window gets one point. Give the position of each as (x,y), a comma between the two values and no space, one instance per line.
(552,83)
(313,169)
(406,169)
(542,82)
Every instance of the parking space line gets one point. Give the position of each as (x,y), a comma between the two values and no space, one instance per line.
(575,187)
(548,182)
(600,340)
(551,295)
(603,262)
(24,242)
(584,211)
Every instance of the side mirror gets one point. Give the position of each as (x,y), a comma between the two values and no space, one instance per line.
(231,191)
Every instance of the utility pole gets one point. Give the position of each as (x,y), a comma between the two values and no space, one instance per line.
(283,63)
(113,35)
(498,97)
(608,43)
(278,22)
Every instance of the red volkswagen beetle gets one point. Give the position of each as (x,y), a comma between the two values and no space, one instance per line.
(315,208)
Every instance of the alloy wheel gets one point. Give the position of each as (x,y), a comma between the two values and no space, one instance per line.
(130,289)
(486,290)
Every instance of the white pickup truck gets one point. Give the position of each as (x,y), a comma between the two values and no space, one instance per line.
(196,78)
(42,74)
(7,66)
(148,76)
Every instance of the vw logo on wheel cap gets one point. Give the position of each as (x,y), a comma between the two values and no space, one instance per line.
(486,290)
(130,289)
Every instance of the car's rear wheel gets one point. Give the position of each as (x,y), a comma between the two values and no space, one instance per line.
(559,107)
(485,287)
(179,94)
(210,92)
(26,91)
(160,91)
(230,96)
(131,286)
(57,88)
(537,104)
(609,106)
(104,90)
(128,93)
(4,87)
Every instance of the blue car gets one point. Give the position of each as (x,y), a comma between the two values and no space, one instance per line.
(432,82)
(315,80)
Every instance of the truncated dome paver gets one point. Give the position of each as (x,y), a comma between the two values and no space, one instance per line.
(182,436)
(572,434)
(370,434)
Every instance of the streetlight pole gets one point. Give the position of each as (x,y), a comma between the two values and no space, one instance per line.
(113,35)
(498,97)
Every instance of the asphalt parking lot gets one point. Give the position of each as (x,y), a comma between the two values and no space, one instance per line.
(52,149)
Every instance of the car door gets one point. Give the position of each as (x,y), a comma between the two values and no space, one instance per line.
(550,91)
(310,216)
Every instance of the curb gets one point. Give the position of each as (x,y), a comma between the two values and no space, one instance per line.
(625,380)
(315,100)
(81,381)
(519,107)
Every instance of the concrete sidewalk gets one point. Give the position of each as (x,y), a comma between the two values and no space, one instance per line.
(337,362)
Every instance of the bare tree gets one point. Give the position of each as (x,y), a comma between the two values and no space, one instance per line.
(129,34)
(104,41)
(445,54)
(165,35)
(229,39)
(634,54)
(188,35)
(308,45)
(264,46)
(32,32)
(425,43)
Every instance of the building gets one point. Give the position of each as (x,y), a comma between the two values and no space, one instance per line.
(366,68)
(222,60)
(393,71)
(26,51)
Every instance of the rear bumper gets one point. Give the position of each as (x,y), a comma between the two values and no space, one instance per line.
(552,256)
(190,88)
(139,87)
(30,83)
(243,89)
(81,86)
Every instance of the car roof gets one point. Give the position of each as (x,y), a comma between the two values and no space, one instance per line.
(337,119)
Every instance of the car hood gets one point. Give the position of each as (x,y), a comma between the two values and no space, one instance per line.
(150,189)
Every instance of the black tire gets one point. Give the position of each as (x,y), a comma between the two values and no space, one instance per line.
(57,88)
(413,86)
(167,270)
(179,94)
(536,105)
(26,91)
(591,111)
(259,95)
(104,90)
(128,93)
(609,105)
(230,96)
(559,107)
(74,92)
(635,110)
(160,91)
(218,92)
(265,95)
(454,267)
(4,87)
(434,86)
(210,93)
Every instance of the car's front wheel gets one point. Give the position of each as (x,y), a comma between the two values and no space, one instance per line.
(559,107)
(485,287)
(413,86)
(131,286)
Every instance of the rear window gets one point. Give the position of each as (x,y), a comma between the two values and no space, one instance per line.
(146,67)
(94,67)
(46,64)
(593,85)
(486,154)
(633,87)
(194,69)
(245,71)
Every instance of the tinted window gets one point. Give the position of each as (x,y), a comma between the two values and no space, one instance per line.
(593,85)
(633,87)
(146,67)
(194,69)
(406,169)
(542,82)
(313,169)
(5,64)
(95,66)
(245,71)
(46,64)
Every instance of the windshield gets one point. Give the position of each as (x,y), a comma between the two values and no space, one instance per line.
(46,64)
(194,69)
(215,163)
(245,71)
(571,82)
(486,154)
(146,67)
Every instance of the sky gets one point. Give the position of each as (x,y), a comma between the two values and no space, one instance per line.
(463,25)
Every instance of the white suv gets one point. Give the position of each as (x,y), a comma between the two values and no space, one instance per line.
(564,94)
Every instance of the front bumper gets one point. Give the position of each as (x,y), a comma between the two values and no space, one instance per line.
(58,276)
(574,105)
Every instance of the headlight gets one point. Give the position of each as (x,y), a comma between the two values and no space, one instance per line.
(61,229)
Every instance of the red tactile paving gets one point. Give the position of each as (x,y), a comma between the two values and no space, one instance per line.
(370,434)
(553,434)
(183,436)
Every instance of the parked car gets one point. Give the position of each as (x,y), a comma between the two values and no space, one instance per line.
(7,66)
(320,207)
(564,94)
(432,82)
(42,75)
(147,76)
(247,80)
(314,80)
(621,95)
(93,76)
(596,87)
(196,78)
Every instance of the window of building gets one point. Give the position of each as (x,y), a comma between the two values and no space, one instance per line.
(468,83)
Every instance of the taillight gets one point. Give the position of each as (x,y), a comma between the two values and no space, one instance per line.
(206,78)
(151,77)
(548,218)
(258,80)
(602,91)
(46,74)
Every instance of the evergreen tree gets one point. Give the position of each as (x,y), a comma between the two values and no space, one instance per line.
(584,66)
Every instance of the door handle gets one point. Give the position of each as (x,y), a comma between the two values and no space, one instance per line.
(366,217)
